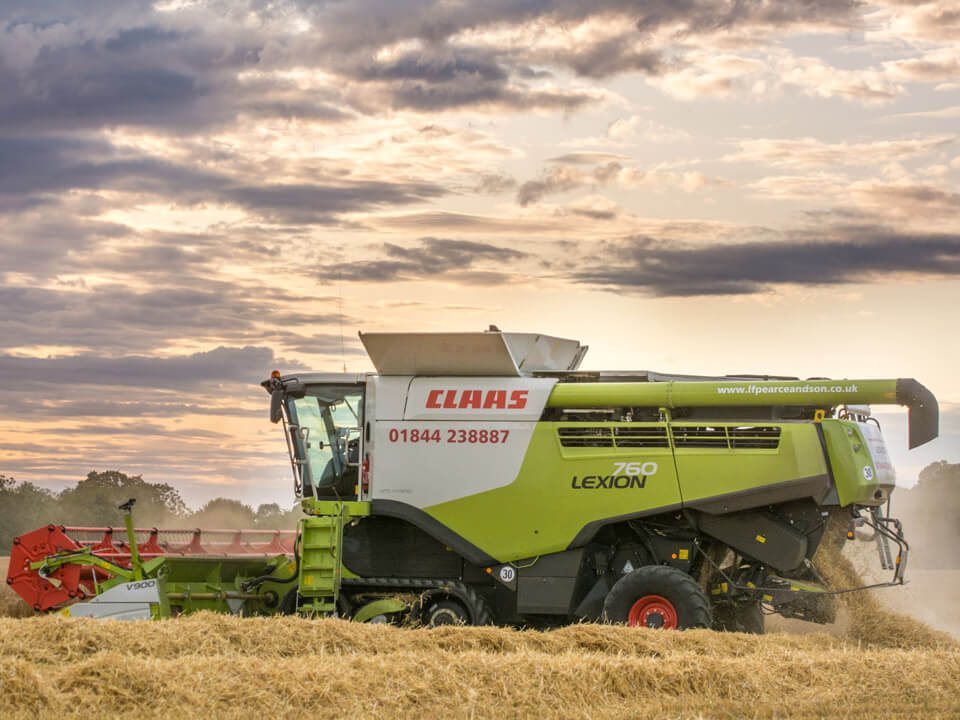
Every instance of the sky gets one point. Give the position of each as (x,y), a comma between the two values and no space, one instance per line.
(195,193)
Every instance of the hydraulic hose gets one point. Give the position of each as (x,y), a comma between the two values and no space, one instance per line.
(254,582)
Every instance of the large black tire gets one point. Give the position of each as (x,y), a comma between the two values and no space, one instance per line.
(446,612)
(742,617)
(452,603)
(658,596)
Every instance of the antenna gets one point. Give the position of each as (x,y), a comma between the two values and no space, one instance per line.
(343,355)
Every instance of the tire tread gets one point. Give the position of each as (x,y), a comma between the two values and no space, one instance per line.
(677,586)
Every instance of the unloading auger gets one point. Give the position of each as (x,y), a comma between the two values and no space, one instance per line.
(482,477)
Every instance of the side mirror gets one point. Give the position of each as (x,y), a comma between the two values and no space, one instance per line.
(276,405)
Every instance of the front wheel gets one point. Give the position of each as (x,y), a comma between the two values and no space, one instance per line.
(658,596)
(452,603)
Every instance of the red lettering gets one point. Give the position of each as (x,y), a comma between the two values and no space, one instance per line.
(518,399)
(495,399)
(470,398)
(478,399)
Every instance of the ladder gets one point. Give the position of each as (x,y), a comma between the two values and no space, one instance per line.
(321,553)
(321,540)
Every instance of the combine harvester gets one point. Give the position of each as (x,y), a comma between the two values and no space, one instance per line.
(480,477)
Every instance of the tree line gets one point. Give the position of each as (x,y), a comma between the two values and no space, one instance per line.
(93,503)
(931,509)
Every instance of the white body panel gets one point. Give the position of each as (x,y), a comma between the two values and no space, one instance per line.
(886,474)
(544,353)
(471,353)
(447,445)
(130,601)
(448,465)
(387,397)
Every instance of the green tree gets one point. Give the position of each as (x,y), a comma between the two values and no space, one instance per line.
(95,499)
(222,513)
(273,517)
(23,507)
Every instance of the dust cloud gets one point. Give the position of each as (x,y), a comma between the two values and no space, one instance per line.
(930,512)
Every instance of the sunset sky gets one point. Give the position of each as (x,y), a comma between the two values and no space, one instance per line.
(195,193)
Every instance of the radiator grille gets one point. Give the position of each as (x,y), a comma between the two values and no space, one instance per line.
(641,437)
(699,436)
(585,436)
(607,436)
(757,438)
(734,437)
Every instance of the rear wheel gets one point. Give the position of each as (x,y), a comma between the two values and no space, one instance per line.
(657,596)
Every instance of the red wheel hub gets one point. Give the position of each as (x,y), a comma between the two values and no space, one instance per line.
(653,611)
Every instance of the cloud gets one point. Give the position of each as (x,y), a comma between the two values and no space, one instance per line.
(494,184)
(564,178)
(908,202)
(809,186)
(433,259)
(588,158)
(199,67)
(441,221)
(74,74)
(56,165)
(713,15)
(919,22)
(308,203)
(845,255)
(640,128)
(115,319)
(949,113)
(555,180)
(595,207)
(203,369)
(942,64)
(808,152)
(814,77)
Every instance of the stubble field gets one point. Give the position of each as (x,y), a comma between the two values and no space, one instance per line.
(875,662)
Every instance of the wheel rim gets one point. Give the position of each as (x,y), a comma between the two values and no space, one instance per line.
(445,616)
(653,611)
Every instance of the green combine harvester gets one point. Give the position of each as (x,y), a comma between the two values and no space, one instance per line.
(480,477)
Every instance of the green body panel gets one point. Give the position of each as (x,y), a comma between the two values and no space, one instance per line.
(552,499)
(853,469)
(349,509)
(379,607)
(187,583)
(710,471)
(735,393)
(541,512)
